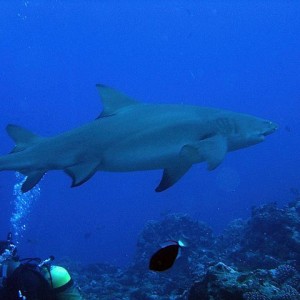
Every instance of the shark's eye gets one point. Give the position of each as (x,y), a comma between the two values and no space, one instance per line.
(206,136)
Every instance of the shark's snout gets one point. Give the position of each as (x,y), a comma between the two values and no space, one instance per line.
(269,128)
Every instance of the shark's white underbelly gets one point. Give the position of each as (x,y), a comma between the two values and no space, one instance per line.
(139,158)
(136,148)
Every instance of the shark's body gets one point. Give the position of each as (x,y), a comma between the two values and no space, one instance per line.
(132,136)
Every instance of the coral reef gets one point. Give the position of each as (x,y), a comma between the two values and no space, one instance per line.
(269,238)
(254,259)
(223,282)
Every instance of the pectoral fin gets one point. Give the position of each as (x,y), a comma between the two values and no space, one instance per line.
(81,173)
(212,150)
(172,175)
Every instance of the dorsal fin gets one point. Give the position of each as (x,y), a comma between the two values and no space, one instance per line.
(21,136)
(112,100)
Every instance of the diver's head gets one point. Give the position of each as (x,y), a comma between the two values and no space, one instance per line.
(8,249)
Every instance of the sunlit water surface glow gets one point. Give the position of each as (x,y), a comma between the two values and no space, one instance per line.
(22,203)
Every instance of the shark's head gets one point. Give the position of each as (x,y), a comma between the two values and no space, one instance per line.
(251,130)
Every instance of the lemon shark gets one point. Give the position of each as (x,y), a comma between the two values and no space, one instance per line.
(133,136)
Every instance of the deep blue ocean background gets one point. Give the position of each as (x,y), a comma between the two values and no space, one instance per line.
(242,56)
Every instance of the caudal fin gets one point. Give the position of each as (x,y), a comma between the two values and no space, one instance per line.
(31,180)
(23,139)
(21,136)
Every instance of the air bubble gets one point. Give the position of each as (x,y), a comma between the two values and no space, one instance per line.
(22,205)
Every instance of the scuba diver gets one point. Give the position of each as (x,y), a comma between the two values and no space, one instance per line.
(32,278)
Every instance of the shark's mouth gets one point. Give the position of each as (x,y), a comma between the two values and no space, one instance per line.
(272,127)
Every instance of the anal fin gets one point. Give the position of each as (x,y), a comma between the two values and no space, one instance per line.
(81,173)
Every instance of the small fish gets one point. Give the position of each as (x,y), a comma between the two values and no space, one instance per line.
(165,257)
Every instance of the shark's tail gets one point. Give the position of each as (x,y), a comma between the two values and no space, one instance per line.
(23,139)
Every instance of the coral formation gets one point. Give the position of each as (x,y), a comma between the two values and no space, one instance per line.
(269,238)
(254,259)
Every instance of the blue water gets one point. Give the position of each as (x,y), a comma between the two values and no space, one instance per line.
(238,55)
